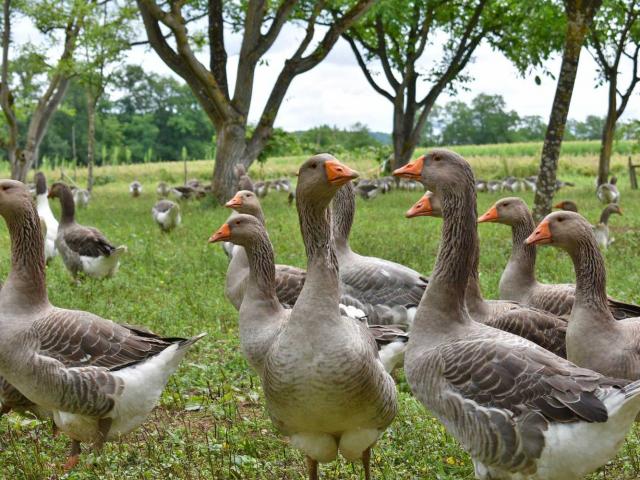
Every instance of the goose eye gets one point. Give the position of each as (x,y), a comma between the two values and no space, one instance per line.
(313,165)
(560,219)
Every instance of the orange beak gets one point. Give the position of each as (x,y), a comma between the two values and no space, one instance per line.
(541,235)
(412,170)
(490,215)
(422,208)
(559,205)
(236,201)
(338,173)
(223,233)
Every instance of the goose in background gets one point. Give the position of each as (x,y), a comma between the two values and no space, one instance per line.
(46,216)
(568,205)
(262,188)
(162,190)
(386,291)
(601,229)
(135,188)
(99,379)
(81,197)
(520,411)
(595,340)
(243,181)
(83,249)
(540,327)
(481,185)
(166,214)
(494,186)
(288,281)
(518,281)
(324,384)
(608,192)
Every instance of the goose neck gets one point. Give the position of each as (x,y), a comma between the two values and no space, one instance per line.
(523,256)
(68,206)
(591,280)
(262,271)
(343,208)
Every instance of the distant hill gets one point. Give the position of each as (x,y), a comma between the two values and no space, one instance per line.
(382,137)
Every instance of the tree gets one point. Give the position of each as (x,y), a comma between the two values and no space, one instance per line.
(105,39)
(579,16)
(261,23)
(33,87)
(615,37)
(396,35)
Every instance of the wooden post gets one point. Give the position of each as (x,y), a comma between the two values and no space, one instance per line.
(632,175)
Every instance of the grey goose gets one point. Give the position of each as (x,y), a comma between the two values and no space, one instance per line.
(519,410)
(166,214)
(98,379)
(518,281)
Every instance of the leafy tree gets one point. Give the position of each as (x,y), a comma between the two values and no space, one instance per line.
(579,16)
(590,129)
(32,87)
(614,38)
(530,128)
(260,23)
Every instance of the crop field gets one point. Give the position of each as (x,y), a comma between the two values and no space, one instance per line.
(211,421)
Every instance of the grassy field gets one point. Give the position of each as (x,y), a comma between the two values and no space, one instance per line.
(211,422)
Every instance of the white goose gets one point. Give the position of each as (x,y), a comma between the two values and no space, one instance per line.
(99,379)
(46,215)
(520,411)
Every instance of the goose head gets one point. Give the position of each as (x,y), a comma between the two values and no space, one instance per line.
(508,211)
(56,189)
(239,229)
(41,183)
(321,176)
(14,197)
(439,169)
(567,205)
(561,229)
(613,208)
(244,201)
(427,206)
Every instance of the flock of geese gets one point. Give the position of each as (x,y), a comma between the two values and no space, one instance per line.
(541,384)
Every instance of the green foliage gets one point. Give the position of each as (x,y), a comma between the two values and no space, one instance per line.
(211,422)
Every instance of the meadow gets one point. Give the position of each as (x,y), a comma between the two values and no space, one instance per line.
(211,422)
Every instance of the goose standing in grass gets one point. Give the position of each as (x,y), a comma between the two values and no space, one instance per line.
(81,197)
(540,327)
(324,384)
(520,411)
(162,190)
(243,181)
(608,192)
(135,188)
(46,215)
(518,281)
(390,339)
(83,249)
(99,379)
(386,291)
(601,229)
(166,214)
(595,339)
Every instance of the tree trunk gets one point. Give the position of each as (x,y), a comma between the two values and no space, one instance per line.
(608,131)
(546,184)
(91,139)
(231,148)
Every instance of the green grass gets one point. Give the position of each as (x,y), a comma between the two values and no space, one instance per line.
(211,421)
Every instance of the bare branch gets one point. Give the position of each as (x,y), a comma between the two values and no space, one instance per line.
(365,68)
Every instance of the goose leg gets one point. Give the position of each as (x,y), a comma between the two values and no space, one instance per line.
(312,468)
(104,425)
(366,462)
(74,456)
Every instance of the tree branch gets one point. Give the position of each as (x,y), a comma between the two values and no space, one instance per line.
(363,66)
(6,101)
(217,52)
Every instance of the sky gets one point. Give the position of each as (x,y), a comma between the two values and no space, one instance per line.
(336,92)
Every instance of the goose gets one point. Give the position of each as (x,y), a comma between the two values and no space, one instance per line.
(518,281)
(324,384)
(99,379)
(481,185)
(568,205)
(135,188)
(81,197)
(184,192)
(390,339)
(83,249)
(243,181)
(494,186)
(162,190)
(538,326)
(519,410)
(530,183)
(595,340)
(166,214)
(601,229)
(262,188)
(46,216)
(386,291)
(608,192)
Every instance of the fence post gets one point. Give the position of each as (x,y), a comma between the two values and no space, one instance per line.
(632,175)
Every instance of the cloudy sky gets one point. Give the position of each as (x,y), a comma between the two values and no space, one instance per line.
(336,92)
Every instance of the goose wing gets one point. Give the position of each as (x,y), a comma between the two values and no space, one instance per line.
(289,283)
(87,241)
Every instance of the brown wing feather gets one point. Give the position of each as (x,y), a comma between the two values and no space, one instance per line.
(289,283)
(87,241)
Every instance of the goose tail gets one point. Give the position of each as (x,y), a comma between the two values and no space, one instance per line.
(183,344)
